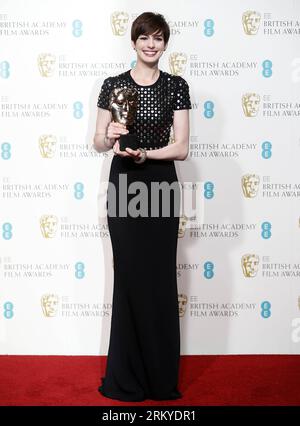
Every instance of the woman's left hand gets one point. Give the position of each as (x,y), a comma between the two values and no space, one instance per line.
(133,153)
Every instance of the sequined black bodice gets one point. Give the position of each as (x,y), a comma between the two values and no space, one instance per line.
(156,105)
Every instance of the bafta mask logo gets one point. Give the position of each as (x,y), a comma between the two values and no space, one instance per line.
(119,23)
(48,225)
(177,63)
(123,105)
(182,303)
(251,21)
(47,145)
(46,62)
(250,185)
(182,225)
(250,104)
(250,265)
(49,304)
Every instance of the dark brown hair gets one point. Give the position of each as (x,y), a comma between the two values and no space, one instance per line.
(148,23)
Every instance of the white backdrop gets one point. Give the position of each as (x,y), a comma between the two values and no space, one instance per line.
(239,265)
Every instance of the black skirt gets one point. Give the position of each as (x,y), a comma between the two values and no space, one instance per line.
(144,347)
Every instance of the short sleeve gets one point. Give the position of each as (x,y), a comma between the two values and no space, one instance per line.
(182,96)
(103,98)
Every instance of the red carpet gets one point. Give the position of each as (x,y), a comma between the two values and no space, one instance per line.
(204,380)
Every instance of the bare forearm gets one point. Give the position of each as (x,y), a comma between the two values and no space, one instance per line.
(173,151)
(102,143)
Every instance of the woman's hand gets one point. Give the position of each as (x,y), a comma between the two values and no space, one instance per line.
(133,153)
(115,130)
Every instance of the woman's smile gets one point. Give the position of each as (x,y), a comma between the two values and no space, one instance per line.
(149,52)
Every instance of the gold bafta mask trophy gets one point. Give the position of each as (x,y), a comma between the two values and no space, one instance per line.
(123,106)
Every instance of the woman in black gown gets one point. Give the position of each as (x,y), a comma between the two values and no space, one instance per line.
(144,348)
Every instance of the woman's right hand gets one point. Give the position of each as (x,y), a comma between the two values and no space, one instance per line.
(115,130)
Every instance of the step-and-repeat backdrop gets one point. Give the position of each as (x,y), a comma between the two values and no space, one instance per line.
(238,264)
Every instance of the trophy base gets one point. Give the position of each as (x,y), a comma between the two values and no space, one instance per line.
(128,141)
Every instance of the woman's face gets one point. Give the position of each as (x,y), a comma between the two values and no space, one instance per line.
(149,48)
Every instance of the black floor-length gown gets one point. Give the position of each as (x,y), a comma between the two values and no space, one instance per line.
(144,347)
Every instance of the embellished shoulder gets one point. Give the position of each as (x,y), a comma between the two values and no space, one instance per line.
(174,78)
(182,99)
(103,97)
